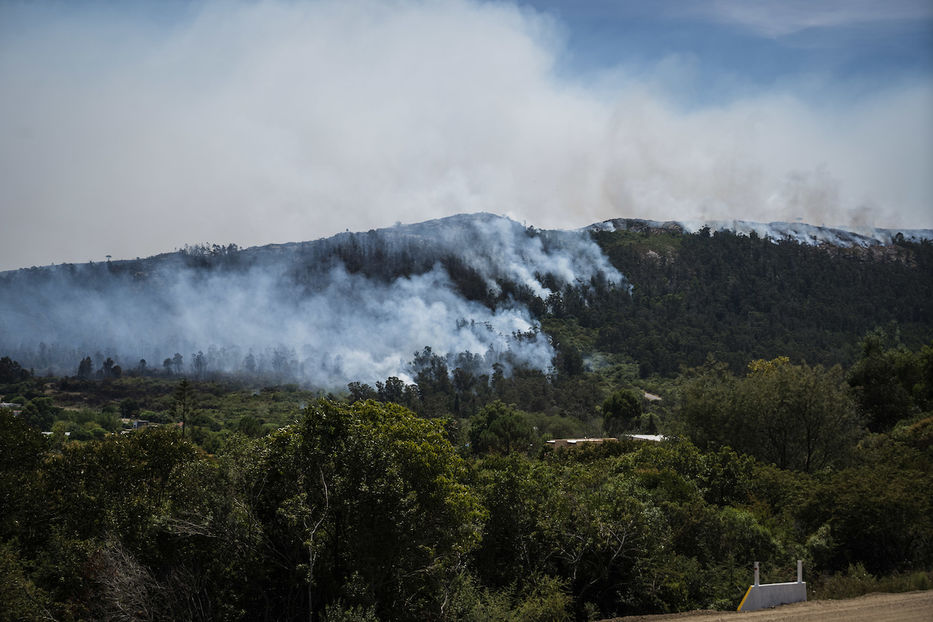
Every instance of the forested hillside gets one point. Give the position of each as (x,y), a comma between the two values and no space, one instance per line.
(742,297)
(238,480)
(477,290)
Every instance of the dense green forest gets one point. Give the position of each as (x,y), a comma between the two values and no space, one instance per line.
(741,298)
(279,503)
(793,384)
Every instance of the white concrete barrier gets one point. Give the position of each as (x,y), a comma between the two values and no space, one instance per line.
(773,594)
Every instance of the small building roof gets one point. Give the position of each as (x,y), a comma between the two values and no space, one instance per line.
(563,442)
(657,438)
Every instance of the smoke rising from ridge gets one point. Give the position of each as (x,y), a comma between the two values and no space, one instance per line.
(352,307)
(273,121)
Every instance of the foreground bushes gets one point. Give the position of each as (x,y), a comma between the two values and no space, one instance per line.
(367,512)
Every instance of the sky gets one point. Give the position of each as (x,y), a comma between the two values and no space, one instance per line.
(133,128)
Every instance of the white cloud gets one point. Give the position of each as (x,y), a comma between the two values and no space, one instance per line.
(274,121)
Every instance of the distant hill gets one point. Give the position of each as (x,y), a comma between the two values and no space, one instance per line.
(799,232)
(760,291)
(480,290)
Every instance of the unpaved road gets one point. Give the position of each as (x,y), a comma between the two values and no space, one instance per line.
(907,607)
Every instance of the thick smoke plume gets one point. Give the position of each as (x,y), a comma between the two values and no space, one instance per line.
(256,122)
(352,307)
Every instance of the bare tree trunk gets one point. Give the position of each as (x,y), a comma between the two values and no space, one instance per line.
(312,556)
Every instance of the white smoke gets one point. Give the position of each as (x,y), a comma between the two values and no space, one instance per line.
(297,312)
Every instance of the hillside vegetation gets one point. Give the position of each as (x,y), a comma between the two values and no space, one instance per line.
(794,385)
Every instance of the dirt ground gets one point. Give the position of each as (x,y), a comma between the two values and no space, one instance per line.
(907,607)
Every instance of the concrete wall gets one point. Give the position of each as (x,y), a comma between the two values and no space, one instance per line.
(772,595)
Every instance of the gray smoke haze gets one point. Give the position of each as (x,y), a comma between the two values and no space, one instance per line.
(352,307)
(262,122)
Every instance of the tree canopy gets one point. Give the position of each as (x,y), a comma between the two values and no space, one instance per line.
(795,416)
